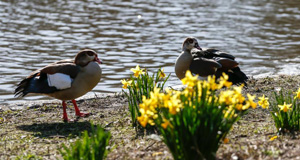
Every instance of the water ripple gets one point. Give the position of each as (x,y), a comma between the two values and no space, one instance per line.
(263,34)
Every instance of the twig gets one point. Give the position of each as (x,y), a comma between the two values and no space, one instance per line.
(150,146)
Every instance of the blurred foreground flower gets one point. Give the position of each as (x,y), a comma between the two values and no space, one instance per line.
(273,138)
(189,79)
(226,140)
(263,102)
(297,94)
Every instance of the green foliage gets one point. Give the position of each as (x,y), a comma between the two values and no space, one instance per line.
(88,147)
(198,129)
(286,121)
(142,86)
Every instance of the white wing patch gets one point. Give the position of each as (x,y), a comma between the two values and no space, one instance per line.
(59,80)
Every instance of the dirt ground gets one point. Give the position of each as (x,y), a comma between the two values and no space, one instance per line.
(38,131)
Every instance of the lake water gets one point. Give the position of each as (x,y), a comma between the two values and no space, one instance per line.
(264,35)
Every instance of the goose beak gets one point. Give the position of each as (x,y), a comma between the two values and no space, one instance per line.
(98,60)
(197,46)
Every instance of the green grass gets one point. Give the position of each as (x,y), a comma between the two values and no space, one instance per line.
(90,146)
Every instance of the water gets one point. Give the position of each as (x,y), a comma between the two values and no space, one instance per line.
(264,35)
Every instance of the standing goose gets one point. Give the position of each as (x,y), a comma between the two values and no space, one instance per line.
(65,79)
(205,62)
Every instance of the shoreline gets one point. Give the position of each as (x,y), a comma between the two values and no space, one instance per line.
(24,104)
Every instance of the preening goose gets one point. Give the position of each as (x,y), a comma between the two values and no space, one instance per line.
(65,79)
(206,62)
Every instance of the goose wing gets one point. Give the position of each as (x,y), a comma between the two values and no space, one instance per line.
(38,82)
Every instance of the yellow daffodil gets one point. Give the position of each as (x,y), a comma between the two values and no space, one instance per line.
(199,87)
(226,97)
(263,102)
(246,106)
(225,140)
(143,119)
(211,99)
(238,98)
(165,123)
(285,107)
(273,138)
(240,107)
(189,79)
(298,94)
(188,91)
(212,83)
(151,122)
(173,104)
(162,74)
(224,81)
(230,112)
(250,100)
(238,89)
(155,93)
(126,83)
(137,71)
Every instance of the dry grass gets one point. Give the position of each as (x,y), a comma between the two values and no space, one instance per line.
(39,131)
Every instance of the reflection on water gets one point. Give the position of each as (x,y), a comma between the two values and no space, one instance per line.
(264,35)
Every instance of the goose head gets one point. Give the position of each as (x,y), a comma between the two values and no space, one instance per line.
(86,56)
(190,43)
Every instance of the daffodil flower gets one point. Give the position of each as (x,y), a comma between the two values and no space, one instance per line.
(263,102)
(212,83)
(137,71)
(224,81)
(225,140)
(285,107)
(250,100)
(165,123)
(298,94)
(273,138)
(189,79)
(226,97)
(143,120)
(162,74)
(125,83)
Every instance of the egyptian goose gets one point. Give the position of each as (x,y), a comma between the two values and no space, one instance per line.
(65,79)
(206,62)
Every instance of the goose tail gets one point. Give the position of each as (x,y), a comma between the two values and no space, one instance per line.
(35,83)
(236,76)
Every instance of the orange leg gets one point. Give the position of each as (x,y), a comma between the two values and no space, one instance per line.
(77,111)
(65,116)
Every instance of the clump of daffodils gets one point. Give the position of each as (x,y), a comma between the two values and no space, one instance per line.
(196,91)
(139,87)
(285,110)
(196,120)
